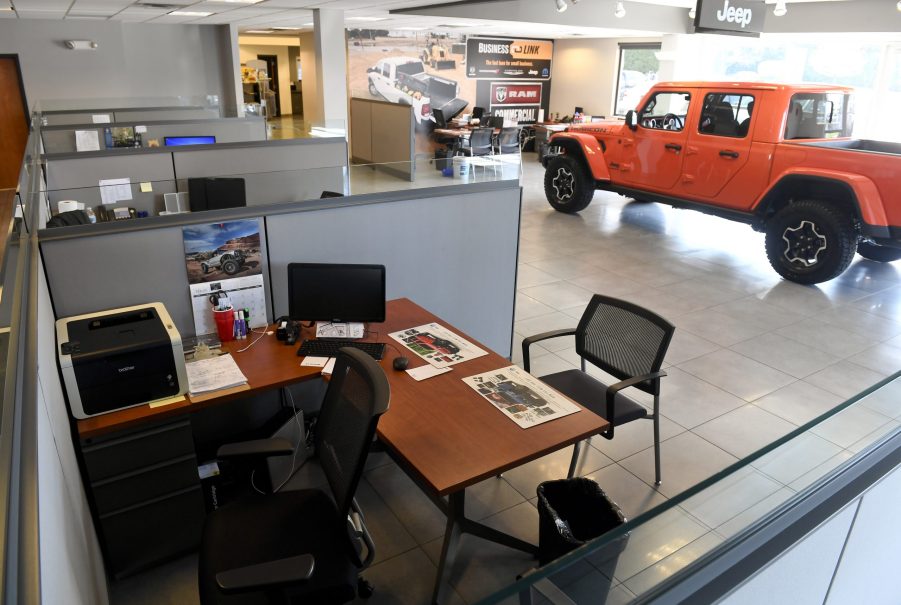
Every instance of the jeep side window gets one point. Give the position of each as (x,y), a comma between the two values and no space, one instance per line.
(665,111)
(726,115)
(386,70)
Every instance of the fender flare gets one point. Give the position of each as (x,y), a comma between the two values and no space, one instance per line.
(587,147)
(865,198)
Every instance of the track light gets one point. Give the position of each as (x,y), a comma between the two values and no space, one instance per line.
(691,13)
(561,5)
(898,6)
(780,8)
(620,11)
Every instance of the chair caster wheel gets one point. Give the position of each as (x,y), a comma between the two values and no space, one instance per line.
(364,588)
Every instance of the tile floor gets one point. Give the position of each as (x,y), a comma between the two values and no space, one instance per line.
(753,357)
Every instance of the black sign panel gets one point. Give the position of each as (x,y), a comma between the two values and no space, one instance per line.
(508,59)
(734,17)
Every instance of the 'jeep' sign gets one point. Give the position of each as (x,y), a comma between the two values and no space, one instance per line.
(737,17)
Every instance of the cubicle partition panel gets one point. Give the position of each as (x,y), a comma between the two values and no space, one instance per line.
(452,250)
(125,114)
(383,134)
(61,139)
(77,176)
(292,170)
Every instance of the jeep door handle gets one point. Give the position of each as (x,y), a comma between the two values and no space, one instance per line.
(673,147)
(729,154)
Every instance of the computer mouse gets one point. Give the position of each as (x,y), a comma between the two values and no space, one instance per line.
(400,363)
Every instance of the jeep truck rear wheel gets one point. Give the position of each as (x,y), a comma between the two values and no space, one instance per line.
(567,184)
(230,266)
(809,242)
(883,254)
(205,268)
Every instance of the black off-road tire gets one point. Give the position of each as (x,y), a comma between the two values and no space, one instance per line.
(568,186)
(230,266)
(205,268)
(882,254)
(809,242)
(373,90)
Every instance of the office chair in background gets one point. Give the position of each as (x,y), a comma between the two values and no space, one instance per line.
(626,341)
(305,544)
(508,141)
(480,143)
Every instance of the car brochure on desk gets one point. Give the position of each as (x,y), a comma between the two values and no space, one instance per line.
(437,345)
(213,374)
(521,396)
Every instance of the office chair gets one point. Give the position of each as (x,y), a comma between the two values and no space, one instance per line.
(480,143)
(301,545)
(496,122)
(508,141)
(626,341)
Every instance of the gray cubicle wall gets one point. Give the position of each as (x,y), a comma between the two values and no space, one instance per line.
(61,139)
(451,249)
(291,170)
(274,171)
(383,134)
(125,114)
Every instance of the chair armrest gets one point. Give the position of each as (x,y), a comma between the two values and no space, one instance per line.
(257,448)
(291,570)
(613,389)
(530,340)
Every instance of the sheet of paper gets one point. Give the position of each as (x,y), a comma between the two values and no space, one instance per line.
(87,140)
(146,187)
(329,367)
(520,396)
(241,292)
(100,118)
(213,374)
(114,190)
(314,362)
(330,329)
(429,371)
(438,345)
(140,129)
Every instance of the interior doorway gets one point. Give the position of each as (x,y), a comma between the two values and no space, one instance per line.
(272,70)
(13,121)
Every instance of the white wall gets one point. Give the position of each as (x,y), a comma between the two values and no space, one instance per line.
(133,60)
(584,74)
(285,65)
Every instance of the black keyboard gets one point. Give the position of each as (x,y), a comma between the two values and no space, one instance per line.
(322,347)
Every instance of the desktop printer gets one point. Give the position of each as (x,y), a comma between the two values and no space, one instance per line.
(120,358)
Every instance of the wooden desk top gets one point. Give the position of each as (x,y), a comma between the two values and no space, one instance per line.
(441,430)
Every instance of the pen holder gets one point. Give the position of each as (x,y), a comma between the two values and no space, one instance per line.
(225,324)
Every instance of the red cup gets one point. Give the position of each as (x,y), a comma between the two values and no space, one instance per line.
(225,324)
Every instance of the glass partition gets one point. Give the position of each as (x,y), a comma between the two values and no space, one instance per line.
(210,101)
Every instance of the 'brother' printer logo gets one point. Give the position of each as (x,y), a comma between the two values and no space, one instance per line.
(731,14)
(126,369)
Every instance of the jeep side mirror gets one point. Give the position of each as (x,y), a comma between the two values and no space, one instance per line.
(369,70)
(631,120)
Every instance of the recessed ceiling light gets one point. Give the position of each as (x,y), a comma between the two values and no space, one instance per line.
(367,18)
(189,14)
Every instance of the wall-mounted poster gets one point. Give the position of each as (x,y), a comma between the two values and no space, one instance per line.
(508,59)
(517,101)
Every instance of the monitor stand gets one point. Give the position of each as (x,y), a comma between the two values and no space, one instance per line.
(330,329)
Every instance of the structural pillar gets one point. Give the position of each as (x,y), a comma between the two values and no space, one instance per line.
(331,67)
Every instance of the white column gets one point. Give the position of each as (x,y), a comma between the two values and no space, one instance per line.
(233,92)
(331,66)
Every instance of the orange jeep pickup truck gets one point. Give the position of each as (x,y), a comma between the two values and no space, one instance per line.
(775,156)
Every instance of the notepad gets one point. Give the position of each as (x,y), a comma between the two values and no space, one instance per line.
(213,374)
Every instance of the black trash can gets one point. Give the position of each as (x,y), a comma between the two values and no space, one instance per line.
(570,513)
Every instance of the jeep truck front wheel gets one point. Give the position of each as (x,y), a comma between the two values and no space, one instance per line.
(567,184)
(882,254)
(809,242)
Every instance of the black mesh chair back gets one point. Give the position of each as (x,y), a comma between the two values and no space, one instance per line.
(508,141)
(623,339)
(480,141)
(357,396)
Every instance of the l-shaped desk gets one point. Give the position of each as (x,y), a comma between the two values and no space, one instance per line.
(439,430)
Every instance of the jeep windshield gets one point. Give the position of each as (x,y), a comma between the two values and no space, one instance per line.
(411,69)
(814,115)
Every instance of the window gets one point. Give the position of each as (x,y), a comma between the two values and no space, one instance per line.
(665,111)
(638,66)
(819,116)
(726,115)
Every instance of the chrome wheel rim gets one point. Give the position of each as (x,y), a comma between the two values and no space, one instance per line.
(563,184)
(803,244)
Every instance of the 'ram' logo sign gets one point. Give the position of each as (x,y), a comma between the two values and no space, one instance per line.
(500,94)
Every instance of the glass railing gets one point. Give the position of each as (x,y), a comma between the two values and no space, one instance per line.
(634,559)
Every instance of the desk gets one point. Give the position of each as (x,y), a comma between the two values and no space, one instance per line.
(440,431)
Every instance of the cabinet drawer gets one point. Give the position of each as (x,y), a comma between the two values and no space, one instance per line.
(122,491)
(141,536)
(105,458)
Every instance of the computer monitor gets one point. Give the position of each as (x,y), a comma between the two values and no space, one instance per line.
(216,193)
(341,293)
(440,121)
(579,110)
(477,113)
(198,140)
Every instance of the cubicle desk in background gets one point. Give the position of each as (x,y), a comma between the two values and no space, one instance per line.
(129,114)
(382,133)
(61,139)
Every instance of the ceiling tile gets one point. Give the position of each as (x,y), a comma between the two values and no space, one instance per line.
(81,6)
(41,5)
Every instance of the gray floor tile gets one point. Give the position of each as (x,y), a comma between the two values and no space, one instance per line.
(755,512)
(754,309)
(559,295)
(730,497)
(686,459)
(566,267)
(685,346)
(882,358)
(490,497)
(701,291)
(665,568)
(631,494)
(525,478)
(386,529)
(690,401)
(737,374)
(724,330)
(853,319)
(173,583)
(799,402)
(744,431)
(550,363)
(789,356)
(407,579)
(546,323)
(845,379)
(886,303)
(527,308)
(886,400)
(796,298)
(420,516)
(826,337)
(608,284)
(527,275)
(795,458)
(871,438)
(821,470)
(632,437)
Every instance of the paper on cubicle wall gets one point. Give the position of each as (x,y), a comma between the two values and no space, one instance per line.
(87,140)
(437,345)
(100,118)
(115,190)
(520,396)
